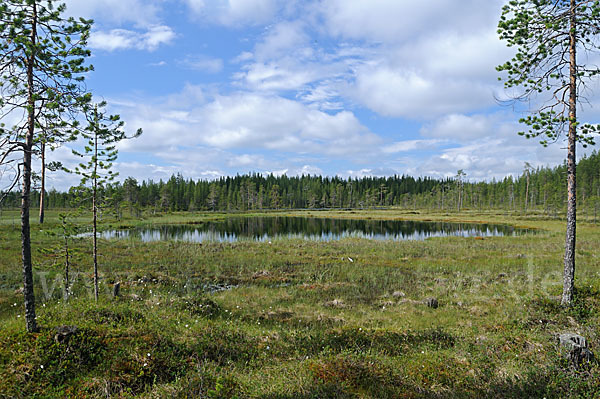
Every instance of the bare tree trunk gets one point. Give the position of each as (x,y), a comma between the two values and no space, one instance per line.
(442,197)
(43,188)
(570,241)
(95,205)
(527,193)
(28,292)
(67,293)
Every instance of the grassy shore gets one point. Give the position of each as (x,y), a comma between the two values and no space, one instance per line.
(298,319)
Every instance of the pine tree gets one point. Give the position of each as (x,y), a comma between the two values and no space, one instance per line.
(552,38)
(103,132)
(42,67)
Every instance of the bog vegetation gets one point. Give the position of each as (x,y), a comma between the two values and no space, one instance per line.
(298,319)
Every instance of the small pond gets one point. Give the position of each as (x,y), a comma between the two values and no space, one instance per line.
(308,228)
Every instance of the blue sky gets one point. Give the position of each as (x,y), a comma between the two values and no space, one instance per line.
(331,87)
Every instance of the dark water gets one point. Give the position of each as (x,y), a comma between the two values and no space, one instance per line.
(272,228)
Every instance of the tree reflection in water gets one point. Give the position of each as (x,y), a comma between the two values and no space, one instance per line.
(317,229)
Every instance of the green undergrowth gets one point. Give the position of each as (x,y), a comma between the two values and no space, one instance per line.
(298,319)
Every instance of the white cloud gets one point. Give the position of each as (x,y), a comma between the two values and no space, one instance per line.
(159,64)
(370,172)
(287,59)
(490,158)
(417,77)
(275,123)
(391,20)
(486,146)
(243,57)
(192,95)
(282,39)
(236,12)
(474,54)
(409,94)
(143,171)
(123,39)
(426,76)
(245,160)
(310,170)
(411,145)
(272,77)
(141,13)
(394,62)
(272,127)
(282,60)
(203,63)
(462,128)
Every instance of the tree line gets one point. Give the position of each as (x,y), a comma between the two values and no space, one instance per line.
(540,190)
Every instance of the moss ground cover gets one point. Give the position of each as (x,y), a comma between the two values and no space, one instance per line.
(298,319)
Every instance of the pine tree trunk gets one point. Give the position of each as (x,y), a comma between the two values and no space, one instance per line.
(95,206)
(67,293)
(43,188)
(28,292)
(569,260)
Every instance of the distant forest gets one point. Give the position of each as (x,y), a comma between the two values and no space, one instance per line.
(541,189)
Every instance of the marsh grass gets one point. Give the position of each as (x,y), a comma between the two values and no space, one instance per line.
(297,319)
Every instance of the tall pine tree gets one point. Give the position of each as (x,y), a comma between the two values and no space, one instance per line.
(549,35)
(42,66)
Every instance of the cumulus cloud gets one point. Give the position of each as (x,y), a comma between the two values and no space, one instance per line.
(391,20)
(490,158)
(432,75)
(136,24)
(451,54)
(485,146)
(123,39)
(409,94)
(276,123)
(244,132)
(390,68)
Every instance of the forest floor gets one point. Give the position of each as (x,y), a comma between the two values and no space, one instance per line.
(298,319)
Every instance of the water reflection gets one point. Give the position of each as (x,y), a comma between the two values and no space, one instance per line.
(316,229)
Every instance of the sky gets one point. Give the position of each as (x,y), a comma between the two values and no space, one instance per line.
(329,87)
